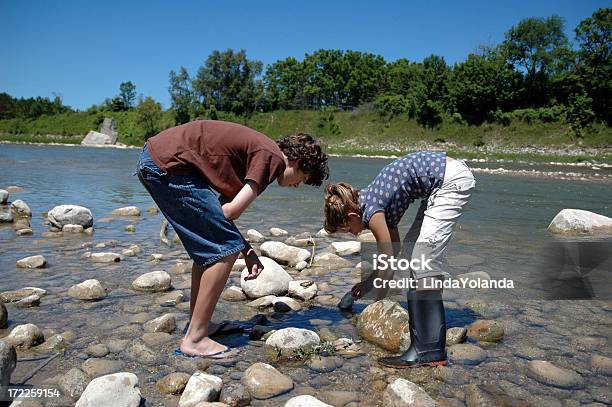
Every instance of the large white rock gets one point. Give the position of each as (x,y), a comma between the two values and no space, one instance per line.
(578,221)
(154,281)
(21,208)
(113,390)
(201,387)
(305,401)
(70,215)
(290,343)
(126,211)
(273,280)
(25,336)
(346,248)
(384,323)
(32,262)
(89,290)
(284,253)
(94,138)
(303,289)
(404,393)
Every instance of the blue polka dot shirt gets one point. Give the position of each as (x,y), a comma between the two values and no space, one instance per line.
(411,177)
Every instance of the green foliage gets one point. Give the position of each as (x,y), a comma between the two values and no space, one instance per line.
(391,105)
(31,108)
(184,104)
(431,114)
(149,116)
(127,93)
(579,113)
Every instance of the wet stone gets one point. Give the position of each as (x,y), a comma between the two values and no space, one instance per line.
(486,331)
(325,364)
(25,336)
(28,302)
(31,262)
(264,381)
(155,339)
(201,387)
(95,367)
(551,375)
(455,335)
(174,383)
(73,383)
(601,365)
(97,350)
(466,354)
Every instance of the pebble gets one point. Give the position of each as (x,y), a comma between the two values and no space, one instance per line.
(154,281)
(73,383)
(155,339)
(233,293)
(126,211)
(599,364)
(302,289)
(264,381)
(29,301)
(69,228)
(171,299)
(486,331)
(201,387)
(254,236)
(25,336)
(290,343)
(285,304)
(89,290)
(108,257)
(276,232)
(455,335)
(404,393)
(95,367)
(325,364)
(466,354)
(97,350)
(165,323)
(551,375)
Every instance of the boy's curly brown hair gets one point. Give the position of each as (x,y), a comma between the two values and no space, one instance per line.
(310,156)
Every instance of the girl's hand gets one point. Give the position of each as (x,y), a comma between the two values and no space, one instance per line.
(253,265)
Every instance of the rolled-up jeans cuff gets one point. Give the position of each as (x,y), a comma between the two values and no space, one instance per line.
(424,274)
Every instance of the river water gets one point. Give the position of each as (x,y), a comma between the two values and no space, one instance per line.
(503,232)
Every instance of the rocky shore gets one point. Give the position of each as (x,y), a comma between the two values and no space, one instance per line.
(105,332)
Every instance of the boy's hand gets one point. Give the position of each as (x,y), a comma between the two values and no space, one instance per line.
(253,265)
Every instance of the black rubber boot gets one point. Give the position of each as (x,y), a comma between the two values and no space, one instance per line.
(427,332)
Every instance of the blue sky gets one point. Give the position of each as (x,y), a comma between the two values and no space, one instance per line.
(83,50)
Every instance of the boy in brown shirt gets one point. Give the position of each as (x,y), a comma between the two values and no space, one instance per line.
(183,166)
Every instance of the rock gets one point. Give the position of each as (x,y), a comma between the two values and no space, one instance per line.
(273,280)
(25,232)
(89,290)
(577,222)
(154,281)
(233,293)
(384,323)
(140,353)
(21,223)
(97,350)
(70,215)
(551,375)
(346,248)
(346,302)
(8,362)
(262,302)
(276,232)
(264,381)
(117,390)
(455,335)
(165,323)
(366,237)
(302,289)
(466,354)
(155,339)
(32,262)
(283,253)
(599,364)
(174,383)
(153,210)
(289,343)
(254,236)
(54,343)
(238,265)
(300,265)
(108,257)
(3,315)
(235,395)
(95,367)
(486,331)
(4,195)
(109,127)
(182,267)
(322,233)
(285,304)
(13,189)
(300,242)
(130,228)
(21,209)
(29,301)
(25,336)
(16,295)
(403,393)
(94,139)
(126,211)
(200,387)
(6,215)
(325,364)
(305,401)
(330,261)
(171,299)
(156,257)
(73,383)
(72,228)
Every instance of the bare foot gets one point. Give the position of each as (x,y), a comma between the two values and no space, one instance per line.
(204,347)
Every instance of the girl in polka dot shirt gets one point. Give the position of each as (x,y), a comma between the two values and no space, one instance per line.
(444,186)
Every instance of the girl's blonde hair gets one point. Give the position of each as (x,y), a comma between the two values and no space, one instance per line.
(340,199)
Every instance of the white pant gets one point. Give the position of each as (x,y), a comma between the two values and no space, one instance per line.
(436,218)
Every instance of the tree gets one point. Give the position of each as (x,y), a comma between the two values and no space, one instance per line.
(594,37)
(284,83)
(229,81)
(148,116)
(539,46)
(127,93)
(182,95)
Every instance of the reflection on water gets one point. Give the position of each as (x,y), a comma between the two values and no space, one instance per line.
(503,232)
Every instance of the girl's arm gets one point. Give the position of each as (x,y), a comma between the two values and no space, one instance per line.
(395,239)
(233,209)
